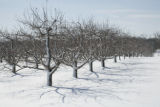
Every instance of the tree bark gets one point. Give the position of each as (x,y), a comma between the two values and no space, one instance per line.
(14,68)
(48,52)
(129,55)
(48,59)
(91,66)
(75,73)
(124,56)
(115,58)
(119,57)
(1,60)
(37,65)
(36,62)
(49,78)
(103,63)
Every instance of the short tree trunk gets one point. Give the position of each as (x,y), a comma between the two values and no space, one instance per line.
(129,55)
(91,66)
(103,63)
(14,68)
(49,79)
(119,57)
(1,60)
(26,61)
(36,62)
(115,58)
(75,73)
(37,65)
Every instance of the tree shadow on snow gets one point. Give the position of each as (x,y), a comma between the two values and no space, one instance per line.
(65,92)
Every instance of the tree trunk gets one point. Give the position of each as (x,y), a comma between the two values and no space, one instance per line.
(129,55)
(14,68)
(103,63)
(115,58)
(133,54)
(91,66)
(37,66)
(48,52)
(75,73)
(49,78)
(26,60)
(124,56)
(36,62)
(1,60)
(119,57)
(48,59)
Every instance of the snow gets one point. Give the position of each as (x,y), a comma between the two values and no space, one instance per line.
(132,82)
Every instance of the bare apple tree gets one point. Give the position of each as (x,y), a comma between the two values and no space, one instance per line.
(44,27)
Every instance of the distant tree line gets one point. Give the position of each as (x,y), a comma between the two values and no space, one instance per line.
(49,41)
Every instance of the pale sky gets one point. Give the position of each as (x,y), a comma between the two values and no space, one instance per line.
(135,16)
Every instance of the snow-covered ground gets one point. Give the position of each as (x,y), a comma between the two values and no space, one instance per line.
(132,82)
